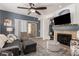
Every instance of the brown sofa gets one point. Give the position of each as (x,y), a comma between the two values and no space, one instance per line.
(24,36)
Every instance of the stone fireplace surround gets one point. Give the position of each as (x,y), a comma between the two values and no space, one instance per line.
(72,33)
(64,29)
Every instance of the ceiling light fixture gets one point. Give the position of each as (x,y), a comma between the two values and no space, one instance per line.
(32,10)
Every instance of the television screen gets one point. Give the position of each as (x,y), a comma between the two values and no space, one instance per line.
(63,19)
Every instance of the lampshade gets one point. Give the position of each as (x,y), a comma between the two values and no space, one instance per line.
(9,29)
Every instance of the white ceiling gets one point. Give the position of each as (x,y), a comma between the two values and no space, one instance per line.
(51,7)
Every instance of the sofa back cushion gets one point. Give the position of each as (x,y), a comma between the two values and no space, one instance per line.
(24,35)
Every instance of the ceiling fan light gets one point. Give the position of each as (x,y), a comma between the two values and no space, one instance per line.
(32,10)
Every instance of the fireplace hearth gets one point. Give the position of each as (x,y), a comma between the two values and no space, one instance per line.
(64,39)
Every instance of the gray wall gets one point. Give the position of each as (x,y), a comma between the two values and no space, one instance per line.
(11,15)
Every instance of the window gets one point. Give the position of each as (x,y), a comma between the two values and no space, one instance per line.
(29,28)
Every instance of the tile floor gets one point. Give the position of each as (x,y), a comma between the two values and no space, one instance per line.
(43,51)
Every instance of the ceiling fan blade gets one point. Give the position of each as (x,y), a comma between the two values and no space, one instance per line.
(40,8)
(22,7)
(29,13)
(38,12)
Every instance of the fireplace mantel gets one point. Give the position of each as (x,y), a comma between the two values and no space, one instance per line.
(66,28)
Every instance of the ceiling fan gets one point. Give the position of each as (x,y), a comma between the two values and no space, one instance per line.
(33,8)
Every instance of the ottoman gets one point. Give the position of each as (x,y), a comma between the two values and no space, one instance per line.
(29,46)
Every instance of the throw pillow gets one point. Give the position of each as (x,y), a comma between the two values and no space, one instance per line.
(2,42)
(10,40)
(12,36)
(3,37)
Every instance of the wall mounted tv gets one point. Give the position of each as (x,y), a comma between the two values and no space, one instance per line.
(63,19)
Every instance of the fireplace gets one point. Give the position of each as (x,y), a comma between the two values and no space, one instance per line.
(64,34)
(64,38)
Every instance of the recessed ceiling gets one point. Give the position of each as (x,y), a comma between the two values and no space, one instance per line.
(51,7)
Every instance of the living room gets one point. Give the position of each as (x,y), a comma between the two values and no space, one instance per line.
(35,27)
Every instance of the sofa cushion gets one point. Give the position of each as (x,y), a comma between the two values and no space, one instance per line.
(24,36)
(15,43)
(14,47)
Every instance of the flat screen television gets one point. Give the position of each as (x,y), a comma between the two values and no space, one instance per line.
(63,19)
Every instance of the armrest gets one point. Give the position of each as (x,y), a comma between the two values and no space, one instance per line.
(8,48)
